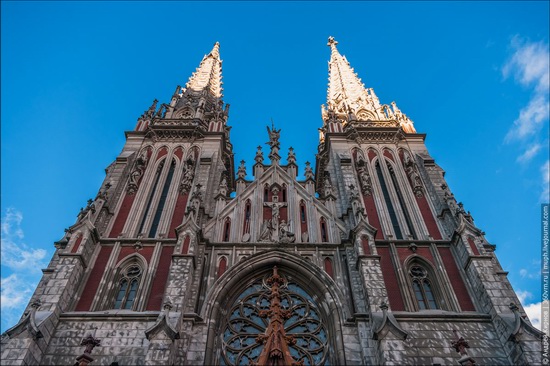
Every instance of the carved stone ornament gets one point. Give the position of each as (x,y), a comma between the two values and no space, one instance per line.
(90,342)
(137,171)
(241,172)
(308,171)
(259,158)
(410,168)
(460,346)
(327,185)
(187,178)
(364,178)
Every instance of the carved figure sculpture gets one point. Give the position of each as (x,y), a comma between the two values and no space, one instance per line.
(137,172)
(274,139)
(285,236)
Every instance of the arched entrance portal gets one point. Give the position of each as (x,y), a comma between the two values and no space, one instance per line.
(275,308)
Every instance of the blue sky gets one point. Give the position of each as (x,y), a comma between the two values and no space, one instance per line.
(75,75)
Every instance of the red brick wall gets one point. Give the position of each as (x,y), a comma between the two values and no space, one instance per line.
(93,281)
(456,280)
(179,213)
(159,280)
(390,280)
(372,215)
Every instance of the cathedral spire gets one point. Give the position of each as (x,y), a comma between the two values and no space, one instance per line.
(348,99)
(208,75)
(344,85)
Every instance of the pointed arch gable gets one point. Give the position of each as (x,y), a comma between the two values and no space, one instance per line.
(330,298)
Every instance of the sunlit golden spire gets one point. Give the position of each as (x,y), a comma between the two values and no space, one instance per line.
(348,99)
(209,74)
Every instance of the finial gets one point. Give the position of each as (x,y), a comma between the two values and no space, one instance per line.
(331,41)
(216,50)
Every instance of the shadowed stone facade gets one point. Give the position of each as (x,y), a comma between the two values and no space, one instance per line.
(182,260)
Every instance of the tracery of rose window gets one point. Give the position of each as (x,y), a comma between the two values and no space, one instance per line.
(274,322)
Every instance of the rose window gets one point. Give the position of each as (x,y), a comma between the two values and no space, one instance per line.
(274,321)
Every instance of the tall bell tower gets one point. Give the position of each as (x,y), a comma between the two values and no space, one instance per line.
(417,252)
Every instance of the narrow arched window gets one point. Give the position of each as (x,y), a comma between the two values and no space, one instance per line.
(247,211)
(284,193)
(266,194)
(422,288)
(152,194)
(226,229)
(389,204)
(128,285)
(324,233)
(401,200)
(162,201)
(302,211)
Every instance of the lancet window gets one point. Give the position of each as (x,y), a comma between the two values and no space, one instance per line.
(128,285)
(162,201)
(274,321)
(302,212)
(226,229)
(401,201)
(422,287)
(151,195)
(247,212)
(389,204)
(324,233)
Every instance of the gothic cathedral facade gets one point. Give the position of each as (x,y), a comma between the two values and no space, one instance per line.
(184,258)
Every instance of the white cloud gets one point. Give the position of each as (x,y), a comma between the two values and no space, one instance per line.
(16,255)
(15,292)
(531,118)
(529,65)
(529,153)
(523,295)
(532,310)
(545,170)
(21,265)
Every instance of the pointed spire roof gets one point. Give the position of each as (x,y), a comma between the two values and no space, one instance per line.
(344,84)
(349,100)
(208,75)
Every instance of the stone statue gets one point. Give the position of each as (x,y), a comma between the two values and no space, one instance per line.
(274,139)
(137,172)
(285,236)
(266,232)
(414,177)
(187,180)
